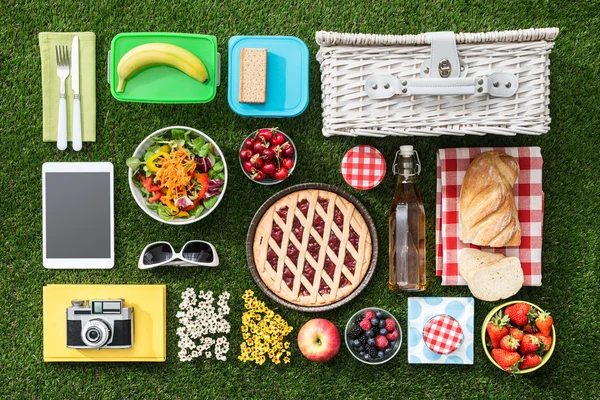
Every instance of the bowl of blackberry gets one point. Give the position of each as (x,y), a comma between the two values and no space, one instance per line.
(373,336)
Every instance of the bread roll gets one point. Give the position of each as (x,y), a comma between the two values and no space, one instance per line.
(471,259)
(496,281)
(487,212)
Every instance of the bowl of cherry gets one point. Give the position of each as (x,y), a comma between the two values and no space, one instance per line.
(268,156)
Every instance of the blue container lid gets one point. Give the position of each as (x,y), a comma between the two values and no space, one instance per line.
(287,76)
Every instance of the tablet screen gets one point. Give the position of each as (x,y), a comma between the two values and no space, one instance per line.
(78,215)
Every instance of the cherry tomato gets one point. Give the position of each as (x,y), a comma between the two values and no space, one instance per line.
(266,134)
(278,139)
(245,154)
(281,173)
(288,163)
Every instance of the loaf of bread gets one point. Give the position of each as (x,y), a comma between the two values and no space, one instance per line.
(487,211)
(490,276)
(253,76)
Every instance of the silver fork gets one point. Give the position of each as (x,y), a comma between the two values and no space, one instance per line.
(62,70)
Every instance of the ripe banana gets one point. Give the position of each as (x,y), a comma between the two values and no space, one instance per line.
(151,54)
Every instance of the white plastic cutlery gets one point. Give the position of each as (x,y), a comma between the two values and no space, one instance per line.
(77,139)
(62,70)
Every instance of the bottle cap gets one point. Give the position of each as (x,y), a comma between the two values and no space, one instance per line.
(406,150)
(363,167)
(443,334)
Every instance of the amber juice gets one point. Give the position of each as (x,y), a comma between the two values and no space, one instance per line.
(407,235)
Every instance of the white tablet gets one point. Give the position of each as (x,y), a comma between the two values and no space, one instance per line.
(78,215)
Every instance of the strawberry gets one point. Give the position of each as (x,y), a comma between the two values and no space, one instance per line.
(530,360)
(381,342)
(509,343)
(530,328)
(393,335)
(545,340)
(365,324)
(544,323)
(497,328)
(518,313)
(529,344)
(369,314)
(390,324)
(508,360)
(517,333)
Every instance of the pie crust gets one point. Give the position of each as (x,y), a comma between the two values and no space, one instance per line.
(321,232)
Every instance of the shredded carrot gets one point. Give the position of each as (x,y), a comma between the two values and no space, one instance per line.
(175,173)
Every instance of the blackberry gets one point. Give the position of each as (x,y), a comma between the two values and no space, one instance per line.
(359,319)
(372,351)
(363,340)
(355,332)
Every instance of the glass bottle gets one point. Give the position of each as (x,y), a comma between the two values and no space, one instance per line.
(407,226)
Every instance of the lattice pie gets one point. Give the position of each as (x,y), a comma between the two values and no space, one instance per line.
(312,248)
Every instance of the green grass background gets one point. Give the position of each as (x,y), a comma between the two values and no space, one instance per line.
(571,250)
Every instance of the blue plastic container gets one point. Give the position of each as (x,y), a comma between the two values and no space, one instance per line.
(287,76)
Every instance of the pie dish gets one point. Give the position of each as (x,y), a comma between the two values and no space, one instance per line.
(324,231)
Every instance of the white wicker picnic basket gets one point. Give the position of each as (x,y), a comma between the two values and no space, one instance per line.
(437,83)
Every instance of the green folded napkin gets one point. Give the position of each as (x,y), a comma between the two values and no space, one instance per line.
(51,84)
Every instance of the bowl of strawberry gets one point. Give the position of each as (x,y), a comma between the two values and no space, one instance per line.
(518,337)
(268,156)
(373,336)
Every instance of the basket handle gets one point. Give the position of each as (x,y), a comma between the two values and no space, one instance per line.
(497,84)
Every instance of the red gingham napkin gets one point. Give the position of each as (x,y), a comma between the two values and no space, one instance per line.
(443,334)
(529,198)
(363,167)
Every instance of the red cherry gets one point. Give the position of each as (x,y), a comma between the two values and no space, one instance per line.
(259,176)
(249,143)
(268,167)
(245,154)
(256,161)
(288,149)
(268,154)
(278,139)
(281,173)
(266,134)
(288,163)
(247,166)
(259,147)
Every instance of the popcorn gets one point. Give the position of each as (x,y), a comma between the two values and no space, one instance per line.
(199,318)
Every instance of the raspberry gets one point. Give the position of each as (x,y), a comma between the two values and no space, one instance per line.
(390,324)
(381,342)
(393,335)
(365,324)
(369,314)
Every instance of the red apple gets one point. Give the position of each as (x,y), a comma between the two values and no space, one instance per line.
(319,340)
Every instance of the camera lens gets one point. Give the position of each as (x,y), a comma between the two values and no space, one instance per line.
(96,333)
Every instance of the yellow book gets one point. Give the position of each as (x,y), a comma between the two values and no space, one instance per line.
(149,322)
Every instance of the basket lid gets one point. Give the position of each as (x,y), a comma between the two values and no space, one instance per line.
(443,334)
(363,167)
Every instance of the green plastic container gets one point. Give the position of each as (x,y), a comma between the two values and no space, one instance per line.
(164,84)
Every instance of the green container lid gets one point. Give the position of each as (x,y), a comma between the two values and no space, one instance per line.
(161,83)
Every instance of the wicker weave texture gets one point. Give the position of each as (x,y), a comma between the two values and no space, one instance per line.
(347,60)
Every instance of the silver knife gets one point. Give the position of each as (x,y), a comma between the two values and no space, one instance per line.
(77,140)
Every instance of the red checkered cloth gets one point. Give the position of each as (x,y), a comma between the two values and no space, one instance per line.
(443,334)
(529,198)
(363,167)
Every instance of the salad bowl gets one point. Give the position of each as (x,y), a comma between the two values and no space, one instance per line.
(208,169)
